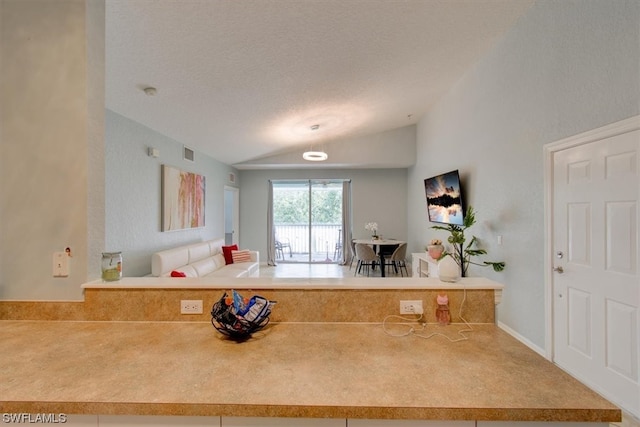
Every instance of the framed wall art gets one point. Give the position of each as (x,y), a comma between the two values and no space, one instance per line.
(182,199)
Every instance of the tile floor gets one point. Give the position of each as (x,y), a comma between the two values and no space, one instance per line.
(284,269)
(335,270)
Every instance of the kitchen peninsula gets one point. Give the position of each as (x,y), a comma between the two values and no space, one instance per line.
(305,369)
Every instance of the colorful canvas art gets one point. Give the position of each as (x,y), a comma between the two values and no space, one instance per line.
(182,199)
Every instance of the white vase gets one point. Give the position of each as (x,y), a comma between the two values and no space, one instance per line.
(448,270)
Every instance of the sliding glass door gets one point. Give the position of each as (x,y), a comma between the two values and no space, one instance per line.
(307,219)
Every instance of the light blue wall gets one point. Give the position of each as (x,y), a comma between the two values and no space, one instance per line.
(133,193)
(378,195)
(52,103)
(566,67)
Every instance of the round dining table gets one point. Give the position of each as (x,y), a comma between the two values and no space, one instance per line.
(380,242)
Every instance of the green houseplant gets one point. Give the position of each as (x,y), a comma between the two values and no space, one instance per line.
(462,251)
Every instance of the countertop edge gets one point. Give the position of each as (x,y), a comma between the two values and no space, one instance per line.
(350,283)
(314,411)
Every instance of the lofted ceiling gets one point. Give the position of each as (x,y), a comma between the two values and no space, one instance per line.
(245,80)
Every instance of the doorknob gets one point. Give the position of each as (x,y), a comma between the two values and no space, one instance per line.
(559,269)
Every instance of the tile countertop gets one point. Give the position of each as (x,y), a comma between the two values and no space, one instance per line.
(329,370)
(294,283)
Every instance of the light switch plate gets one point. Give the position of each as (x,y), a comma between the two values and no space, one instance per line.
(60,264)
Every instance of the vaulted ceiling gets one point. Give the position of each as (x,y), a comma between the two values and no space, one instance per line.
(245,80)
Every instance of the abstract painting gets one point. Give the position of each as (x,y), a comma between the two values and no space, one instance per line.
(182,199)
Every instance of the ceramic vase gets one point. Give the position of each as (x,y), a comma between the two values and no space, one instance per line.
(448,270)
(435,251)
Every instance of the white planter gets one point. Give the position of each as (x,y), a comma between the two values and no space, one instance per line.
(448,270)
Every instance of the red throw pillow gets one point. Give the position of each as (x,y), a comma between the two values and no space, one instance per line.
(226,251)
(175,273)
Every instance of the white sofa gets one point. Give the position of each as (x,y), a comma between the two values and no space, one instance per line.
(203,259)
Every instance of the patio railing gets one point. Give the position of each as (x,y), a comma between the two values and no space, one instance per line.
(325,239)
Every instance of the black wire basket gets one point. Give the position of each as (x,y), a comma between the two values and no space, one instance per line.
(227,321)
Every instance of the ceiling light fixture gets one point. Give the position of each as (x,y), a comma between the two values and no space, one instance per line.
(315,156)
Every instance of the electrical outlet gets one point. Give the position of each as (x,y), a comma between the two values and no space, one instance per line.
(411,307)
(191,306)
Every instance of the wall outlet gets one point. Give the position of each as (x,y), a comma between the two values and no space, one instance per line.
(411,307)
(191,306)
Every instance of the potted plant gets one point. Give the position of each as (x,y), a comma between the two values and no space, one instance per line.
(463,251)
(435,248)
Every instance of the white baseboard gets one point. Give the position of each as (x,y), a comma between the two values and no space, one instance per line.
(523,340)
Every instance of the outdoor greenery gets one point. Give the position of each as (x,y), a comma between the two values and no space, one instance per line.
(294,207)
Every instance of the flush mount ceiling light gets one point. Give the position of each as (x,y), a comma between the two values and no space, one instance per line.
(315,156)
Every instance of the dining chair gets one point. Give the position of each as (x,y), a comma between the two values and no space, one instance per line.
(337,252)
(397,260)
(353,252)
(366,257)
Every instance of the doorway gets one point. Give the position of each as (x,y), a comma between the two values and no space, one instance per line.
(307,220)
(231,215)
(592,259)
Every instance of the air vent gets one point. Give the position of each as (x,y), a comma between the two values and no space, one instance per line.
(232,177)
(189,154)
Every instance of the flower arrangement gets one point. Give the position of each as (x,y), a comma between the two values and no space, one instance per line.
(372,227)
(435,248)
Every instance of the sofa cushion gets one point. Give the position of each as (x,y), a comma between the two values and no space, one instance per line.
(226,250)
(216,246)
(233,270)
(219,260)
(164,262)
(241,256)
(188,270)
(176,273)
(199,251)
(204,266)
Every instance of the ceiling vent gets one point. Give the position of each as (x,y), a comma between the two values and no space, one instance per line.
(188,154)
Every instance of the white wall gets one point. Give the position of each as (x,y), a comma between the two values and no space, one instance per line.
(566,67)
(47,115)
(133,193)
(377,195)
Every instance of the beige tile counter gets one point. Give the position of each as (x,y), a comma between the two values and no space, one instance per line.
(333,370)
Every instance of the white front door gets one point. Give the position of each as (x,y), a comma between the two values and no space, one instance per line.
(595,283)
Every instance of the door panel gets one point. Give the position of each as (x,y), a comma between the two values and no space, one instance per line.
(596,286)
(579,316)
(579,227)
(621,339)
(621,235)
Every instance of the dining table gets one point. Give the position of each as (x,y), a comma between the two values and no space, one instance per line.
(380,242)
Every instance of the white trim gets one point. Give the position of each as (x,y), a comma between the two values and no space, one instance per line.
(522,339)
(549,150)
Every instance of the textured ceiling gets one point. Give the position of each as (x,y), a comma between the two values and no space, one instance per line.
(240,80)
